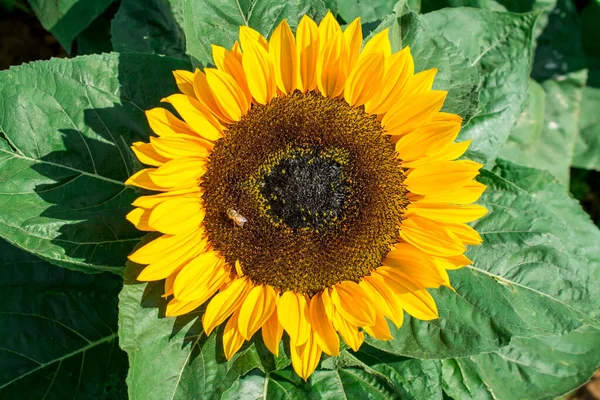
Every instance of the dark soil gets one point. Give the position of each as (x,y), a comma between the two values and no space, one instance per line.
(23,39)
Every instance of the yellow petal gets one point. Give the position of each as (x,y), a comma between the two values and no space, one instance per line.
(362,85)
(200,278)
(447,212)
(305,357)
(428,139)
(463,232)
(421,82)
(450,153)
(256,310)
(413,111)
(225,303)
(379,43)
(415,300)
(177,215)
(191,110)
(352,303)
(170,147)
(272,331)
(229,96)
(380,330)
(160,246)
(146,153)
(430,237)
(232,338)
(399,67)
(259,70)
(282,48)
(231,63)
(176,307)
(169,281)
(441,176)
(164,123)
(142,179)
(208,104)
(139,218)
(469,193)
(328,29)
(185,82)
(179,173)
(249,35)
(307,47)
(395,308)
(154,200)
(322,327)
(410,261)
(353,37)
(172,261)
(332,67)
(293,315)
(452,262)
(350,333)
(379,302)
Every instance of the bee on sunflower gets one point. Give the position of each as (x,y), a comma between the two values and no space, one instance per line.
(311,185)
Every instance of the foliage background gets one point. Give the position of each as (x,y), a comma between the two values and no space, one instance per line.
(524,322)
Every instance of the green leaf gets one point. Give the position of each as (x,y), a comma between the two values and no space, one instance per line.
(95,39)
(218,21)
(536,368)
(66,19)
(549,144)
(68,125)
(153,26)
(274,385)
(455,73)
(59,335)
(529,278)
(370,373)
(560,68)
(495,5)
(559,201)
(499,45)
(369,11)
(587,148)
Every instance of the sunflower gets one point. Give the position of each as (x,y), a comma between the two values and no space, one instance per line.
(310,185)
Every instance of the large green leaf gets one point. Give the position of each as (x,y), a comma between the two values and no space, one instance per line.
(58,331)
(499,45)
(536,368)
(587,147)
(565,208)
(369,11)
(171,358)
(153,26)
(559,66)
(66,19)
(68,125)
(529,278)
(496,5)
(587,150)
(548,145)
(218,21)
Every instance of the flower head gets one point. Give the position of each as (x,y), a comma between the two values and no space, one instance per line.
(311,186)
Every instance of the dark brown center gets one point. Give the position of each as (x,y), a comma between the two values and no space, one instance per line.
(319,188)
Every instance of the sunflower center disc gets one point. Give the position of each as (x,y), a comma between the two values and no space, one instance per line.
(306,190)
(319,185)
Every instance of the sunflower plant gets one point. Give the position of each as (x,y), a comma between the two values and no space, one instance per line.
(244,199)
